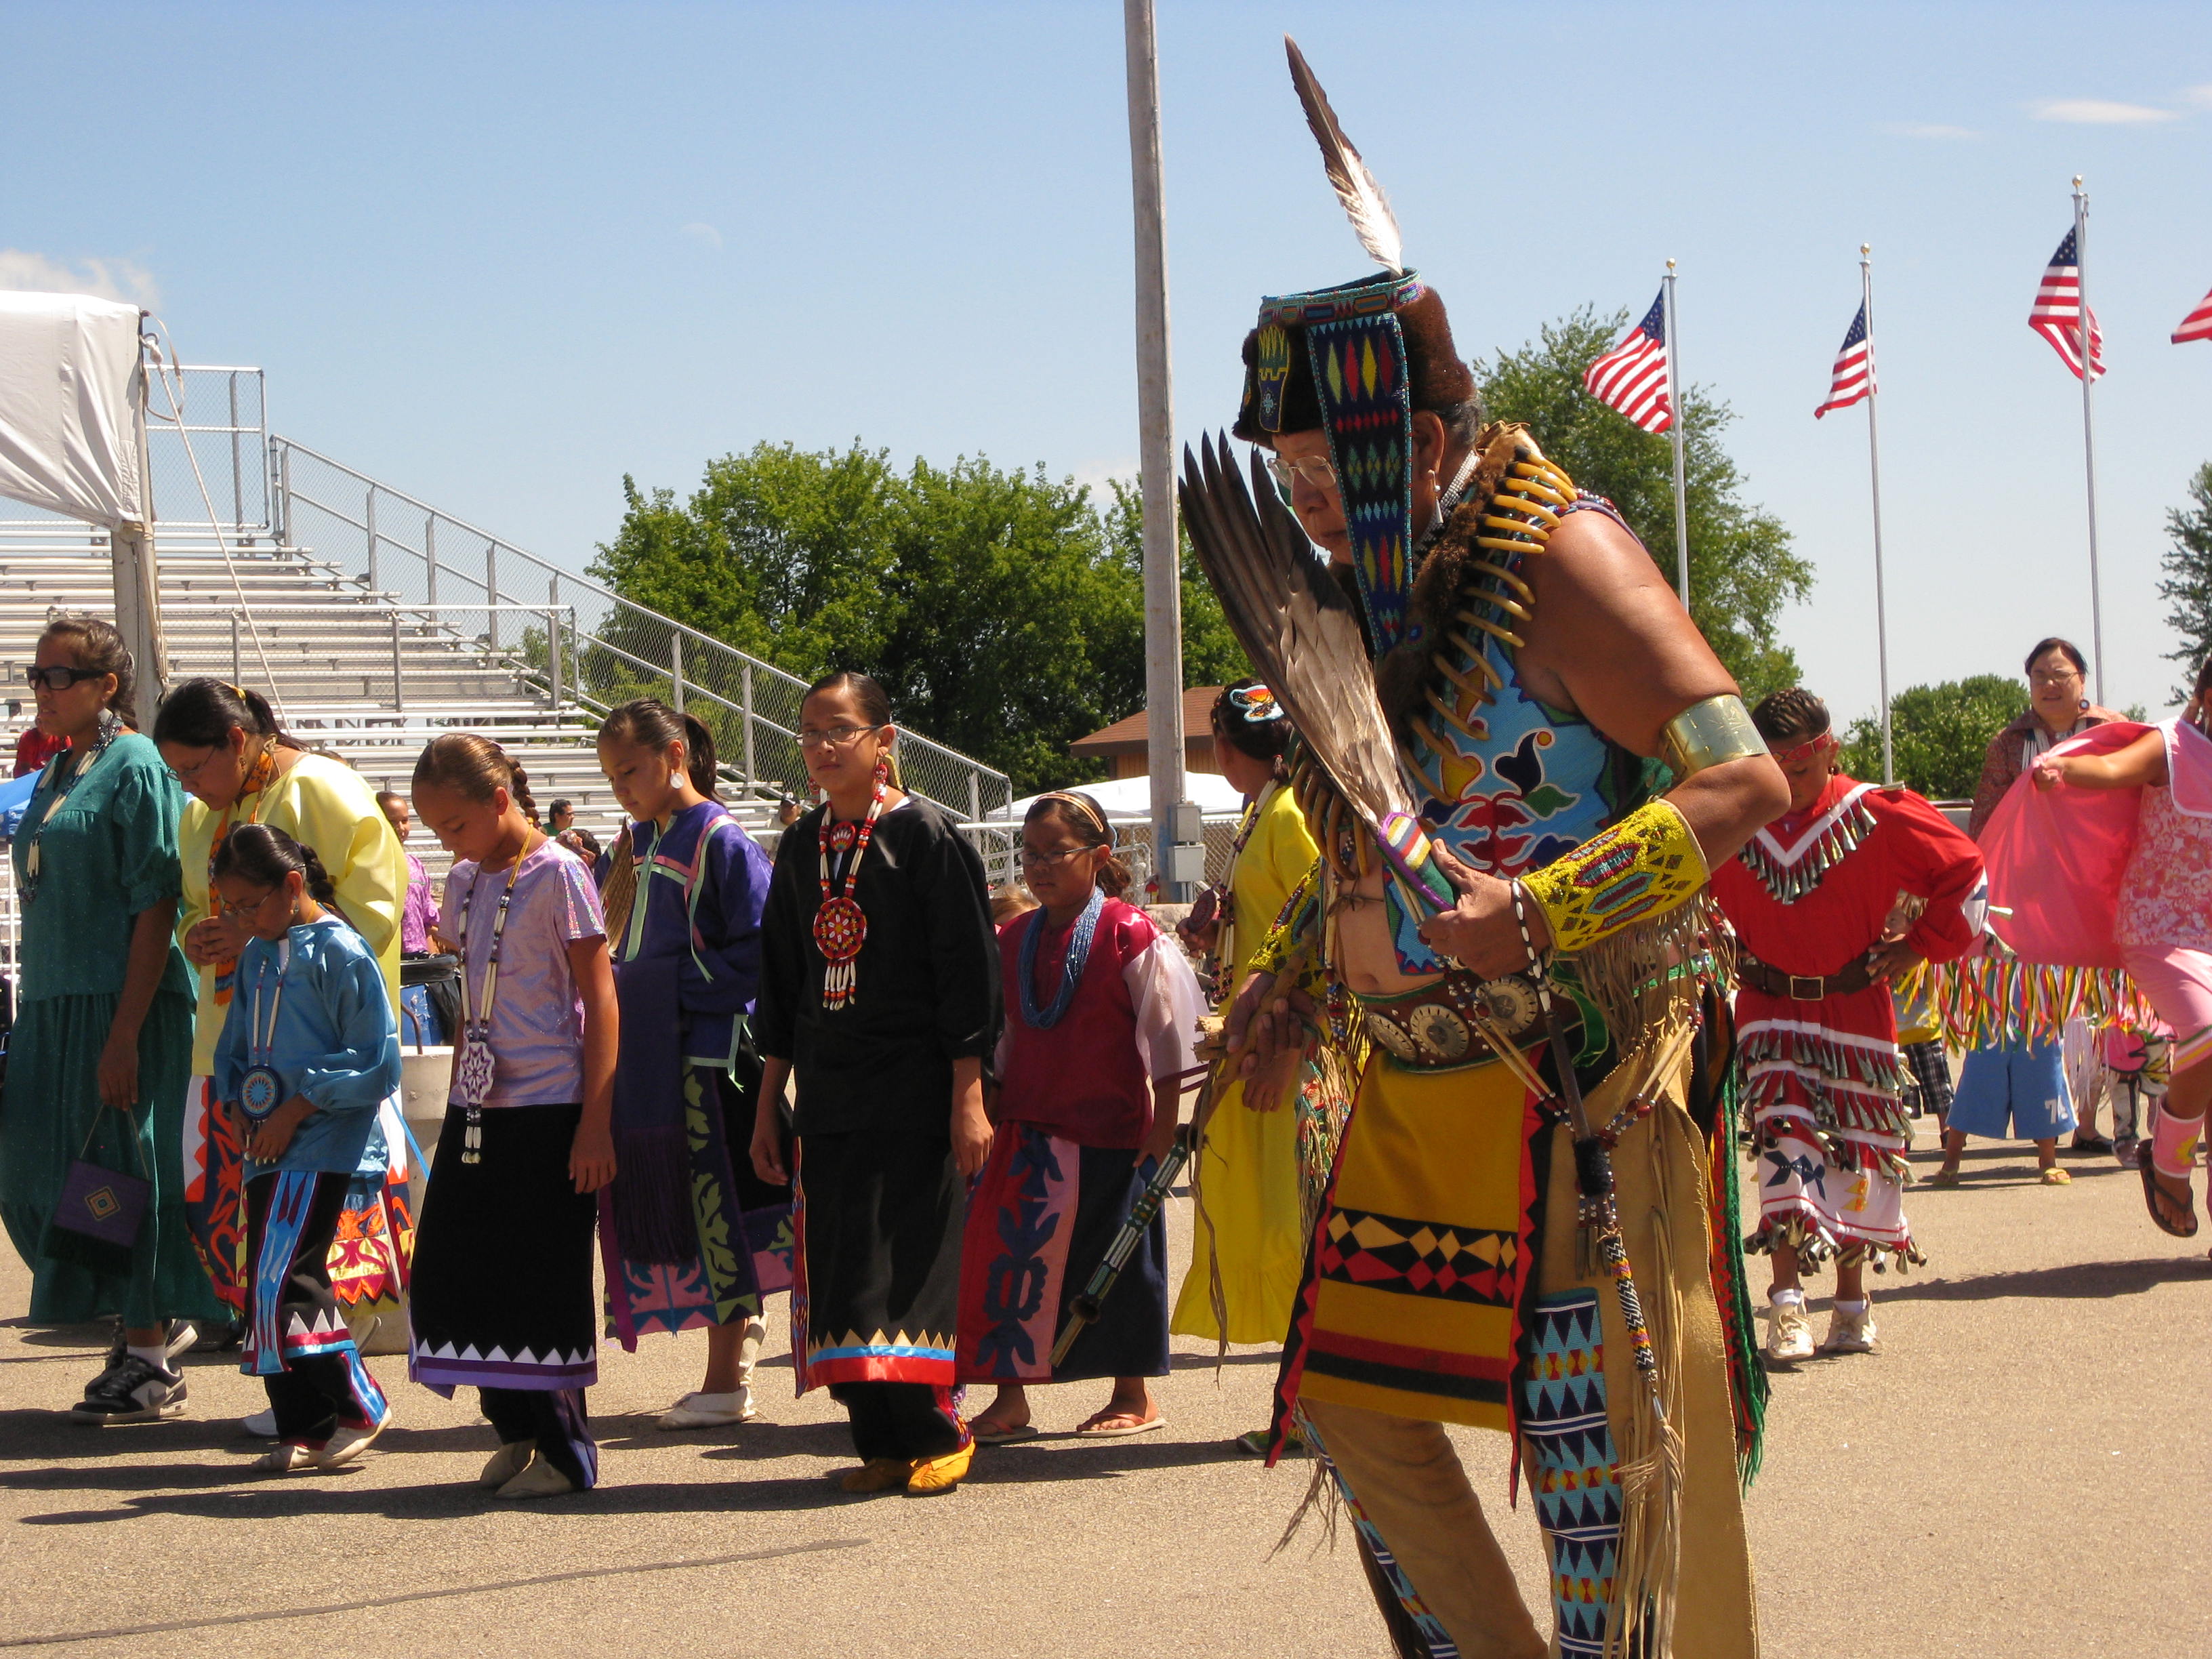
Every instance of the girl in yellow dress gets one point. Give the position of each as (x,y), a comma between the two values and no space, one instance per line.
(1250,1235)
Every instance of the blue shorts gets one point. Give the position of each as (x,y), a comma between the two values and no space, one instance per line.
(2014,1094)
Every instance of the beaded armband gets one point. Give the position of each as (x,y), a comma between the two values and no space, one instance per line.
(1645,865)
(1709,734)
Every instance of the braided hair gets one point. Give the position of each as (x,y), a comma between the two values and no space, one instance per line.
(1789,716)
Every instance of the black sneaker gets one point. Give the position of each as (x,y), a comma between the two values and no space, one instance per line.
(133,1392)
(182,1334)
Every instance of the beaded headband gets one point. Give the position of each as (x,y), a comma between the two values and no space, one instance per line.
(1826,742)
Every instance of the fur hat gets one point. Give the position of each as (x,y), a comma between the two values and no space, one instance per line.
(1279,375)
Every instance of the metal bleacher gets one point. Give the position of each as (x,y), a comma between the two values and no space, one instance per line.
(376,621)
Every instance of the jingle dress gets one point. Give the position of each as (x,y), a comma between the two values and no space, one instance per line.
(107,853)
(502,1290)
(1249,1175)
(314,1007)
(1076,1075)
(1823,1081)
(323,804)
(877,1201)
(694,1237)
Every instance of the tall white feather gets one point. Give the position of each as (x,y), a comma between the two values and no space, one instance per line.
(1365,203)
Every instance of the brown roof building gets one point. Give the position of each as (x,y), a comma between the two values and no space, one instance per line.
(1123,745)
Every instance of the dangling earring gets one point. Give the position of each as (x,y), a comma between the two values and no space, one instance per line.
(883,772)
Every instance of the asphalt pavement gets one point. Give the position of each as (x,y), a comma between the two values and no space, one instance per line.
(2025,1468)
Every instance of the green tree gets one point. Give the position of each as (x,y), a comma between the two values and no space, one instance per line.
(1939,734)
(1743,569)
(2187,587)
(1002,611)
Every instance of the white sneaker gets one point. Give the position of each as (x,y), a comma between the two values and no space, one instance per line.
(1788,1333)
(709,1411)
(1851,1333)
(262,1426)
(348,1442)
(540,1480)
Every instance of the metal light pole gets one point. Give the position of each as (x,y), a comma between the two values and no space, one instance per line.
(1156,450)
(2088,427)
(1873,462)
(1675,403)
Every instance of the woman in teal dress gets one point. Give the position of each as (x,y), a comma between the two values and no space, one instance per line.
(102,1043)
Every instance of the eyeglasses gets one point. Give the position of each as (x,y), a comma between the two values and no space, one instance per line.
(2054,676)
(61,676)
(1029,859)
(838,736)
(1315,470)
(198,767)
(253,906)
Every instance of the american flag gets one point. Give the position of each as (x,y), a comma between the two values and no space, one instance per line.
(2197,324)
(1632,376)
(2057,313)
(1853,379)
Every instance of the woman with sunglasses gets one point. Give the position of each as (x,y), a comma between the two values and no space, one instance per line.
(103,1025)
(1810,898)
(224,746)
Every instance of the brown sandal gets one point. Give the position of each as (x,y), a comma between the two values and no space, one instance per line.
(2153,1193)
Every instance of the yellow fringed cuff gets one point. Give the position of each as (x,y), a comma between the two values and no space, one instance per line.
(1645,865)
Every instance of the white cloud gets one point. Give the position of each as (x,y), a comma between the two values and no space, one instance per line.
(2096,112)
(24,271)
(2200,97)
(1926,130)
(702,233)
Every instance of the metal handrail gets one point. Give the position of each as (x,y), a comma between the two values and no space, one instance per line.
(943,773)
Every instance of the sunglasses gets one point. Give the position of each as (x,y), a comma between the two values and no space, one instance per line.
(60,677)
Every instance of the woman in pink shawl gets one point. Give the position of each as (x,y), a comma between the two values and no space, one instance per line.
(2161,922)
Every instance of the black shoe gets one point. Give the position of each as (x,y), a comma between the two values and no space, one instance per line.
(133,1392)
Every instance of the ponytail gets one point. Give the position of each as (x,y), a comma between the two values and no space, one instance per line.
(652,724)
(263,853)
(474,768)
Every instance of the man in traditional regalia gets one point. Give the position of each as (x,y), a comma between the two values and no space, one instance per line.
(1520,759)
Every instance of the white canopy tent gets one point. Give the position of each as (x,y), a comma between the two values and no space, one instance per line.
(73,439)
(1133,797)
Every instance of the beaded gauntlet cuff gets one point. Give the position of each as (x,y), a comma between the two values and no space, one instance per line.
(1645,865)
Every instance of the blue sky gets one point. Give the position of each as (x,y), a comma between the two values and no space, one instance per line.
(501,256)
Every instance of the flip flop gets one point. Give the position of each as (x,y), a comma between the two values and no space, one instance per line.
(2055,1176)
(2153,1192)
(998,1436)
(1944,1178)
(1121,1427)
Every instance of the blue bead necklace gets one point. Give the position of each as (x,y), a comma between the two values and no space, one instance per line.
(1070,967)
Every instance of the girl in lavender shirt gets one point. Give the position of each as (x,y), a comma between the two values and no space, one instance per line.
(501,1299)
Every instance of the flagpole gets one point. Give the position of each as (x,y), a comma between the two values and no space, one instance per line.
(1874,461)
(2088,427)
(1674,424)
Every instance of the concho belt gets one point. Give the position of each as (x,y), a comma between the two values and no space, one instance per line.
(1432,1028)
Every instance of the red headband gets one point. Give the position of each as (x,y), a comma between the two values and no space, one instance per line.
(1825,742)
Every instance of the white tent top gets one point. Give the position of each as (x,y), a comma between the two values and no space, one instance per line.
(70,415)
(1132,798)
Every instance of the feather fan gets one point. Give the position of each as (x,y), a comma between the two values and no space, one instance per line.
(1365,203)
(1303,639)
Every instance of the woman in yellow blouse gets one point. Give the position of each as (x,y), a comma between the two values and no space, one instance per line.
(238,767)
(1250,1171)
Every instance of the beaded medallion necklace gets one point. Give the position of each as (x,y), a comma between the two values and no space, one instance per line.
(262,1090)
(1071,965)
(841,927)
(474,1068)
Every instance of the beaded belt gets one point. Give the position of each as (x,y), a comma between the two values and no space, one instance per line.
(1432,1028)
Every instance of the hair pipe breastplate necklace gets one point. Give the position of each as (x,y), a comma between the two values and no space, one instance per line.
(475,1069)
(1071,966)
(111,727)
(841,927)
(261,1090)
